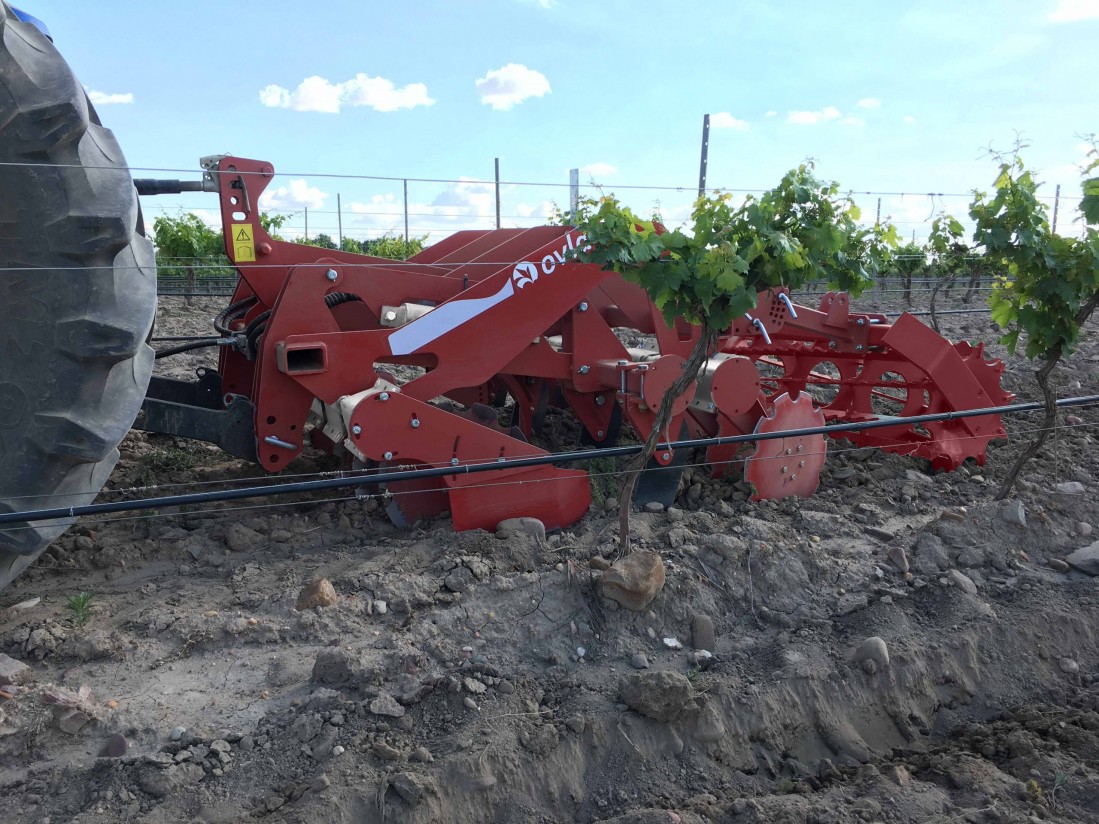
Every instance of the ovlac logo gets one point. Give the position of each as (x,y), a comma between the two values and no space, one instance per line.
(526,272)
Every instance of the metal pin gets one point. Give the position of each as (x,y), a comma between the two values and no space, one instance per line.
(453,461)
(583,307)
(384,396)
(388,456)
(758,324)
(415,423)
(331,274)
(583,370)
(666,456)
(271,439)
(789,305)
(356,430)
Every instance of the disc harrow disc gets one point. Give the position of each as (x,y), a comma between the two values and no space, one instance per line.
(784,467)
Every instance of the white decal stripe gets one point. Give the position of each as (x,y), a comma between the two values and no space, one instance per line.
(442,319)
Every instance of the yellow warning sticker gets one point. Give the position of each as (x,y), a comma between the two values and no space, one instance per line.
(244,246)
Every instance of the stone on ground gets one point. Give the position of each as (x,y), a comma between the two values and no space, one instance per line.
(521,526)
(319,593)
(661,695)
(13,671)
(872,649)
(635,580)
(1086,559)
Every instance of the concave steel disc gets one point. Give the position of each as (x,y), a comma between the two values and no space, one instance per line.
(783,467)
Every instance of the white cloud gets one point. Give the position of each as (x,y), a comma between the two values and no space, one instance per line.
(296,195)
(772,113)
(869,103)
(546,4)
(511,84)
(598,169)
(1069,11)
(909,119)
(316,94)
(104,99)
(724,120)
(804,118)
(853,121)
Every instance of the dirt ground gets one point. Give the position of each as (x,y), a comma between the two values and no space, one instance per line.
(472,678)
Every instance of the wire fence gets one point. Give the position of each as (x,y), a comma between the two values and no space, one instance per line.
(216,284)
(365,206)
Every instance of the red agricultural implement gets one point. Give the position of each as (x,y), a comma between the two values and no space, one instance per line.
(414,363)
(450,359)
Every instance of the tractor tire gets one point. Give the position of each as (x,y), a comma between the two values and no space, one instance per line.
(77,294)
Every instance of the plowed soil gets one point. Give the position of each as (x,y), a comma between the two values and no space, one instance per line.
(474,678)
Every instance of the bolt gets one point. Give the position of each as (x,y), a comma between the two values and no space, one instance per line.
(388,456)
(710,406)
(801,463)
(384,396)
(666,456)
(831,344)
(789,451)
(331,275)
(858,347)
(784,470)
(453,461)
(583,307)
(599,434)
(356,430)
(415,423)
(600,400)
(860,322)
(501,459)
(800,447)
(583,370)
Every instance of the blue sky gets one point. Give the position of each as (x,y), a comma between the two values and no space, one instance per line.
(888,97)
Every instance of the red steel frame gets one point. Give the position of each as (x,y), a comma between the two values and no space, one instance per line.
(512,313)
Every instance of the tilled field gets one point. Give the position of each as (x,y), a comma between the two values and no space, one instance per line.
(899,647)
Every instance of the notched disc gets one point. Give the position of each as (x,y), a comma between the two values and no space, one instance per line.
(783,467)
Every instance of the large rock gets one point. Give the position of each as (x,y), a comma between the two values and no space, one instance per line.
(521,526)
(240,538)
(873,649)
(635,580)
(1086,559)
(160,782)
(319,593)
(1014,513)
(386,704)
(13,671)
(661,695)
(930,555)
(963,582)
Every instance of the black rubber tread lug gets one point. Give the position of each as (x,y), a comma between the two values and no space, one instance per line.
(77,294)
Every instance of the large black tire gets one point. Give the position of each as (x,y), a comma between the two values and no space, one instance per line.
(77,294)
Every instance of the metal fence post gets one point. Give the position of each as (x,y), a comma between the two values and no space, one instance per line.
(705,155)
(497,193)
(574,195)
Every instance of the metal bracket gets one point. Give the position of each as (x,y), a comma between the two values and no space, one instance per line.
(190,415)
